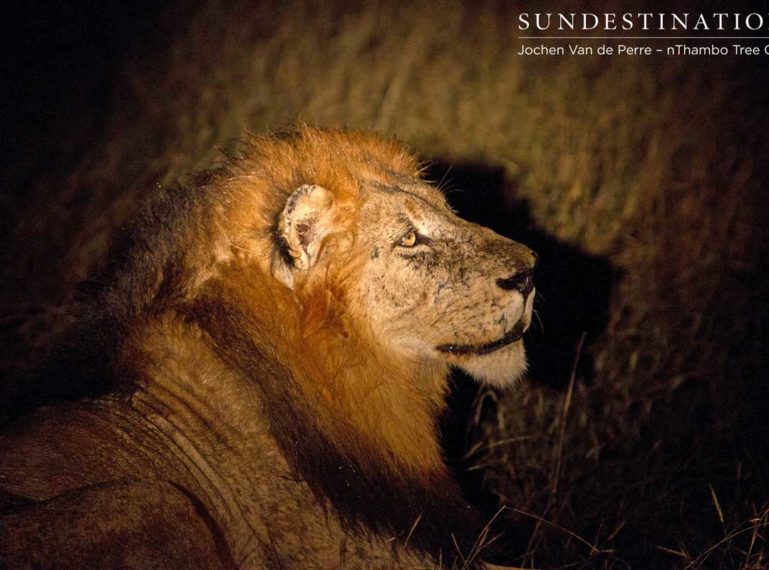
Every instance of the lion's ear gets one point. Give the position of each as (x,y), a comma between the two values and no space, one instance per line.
(304,222)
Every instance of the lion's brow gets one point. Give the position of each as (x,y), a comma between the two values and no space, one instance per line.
(437,201)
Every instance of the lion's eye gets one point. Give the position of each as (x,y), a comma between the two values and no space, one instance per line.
(409,240)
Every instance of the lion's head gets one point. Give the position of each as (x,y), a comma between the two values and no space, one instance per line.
(418,279)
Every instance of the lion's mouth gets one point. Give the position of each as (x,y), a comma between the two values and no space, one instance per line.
(514,335)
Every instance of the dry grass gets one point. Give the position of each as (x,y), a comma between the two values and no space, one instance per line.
(656,456)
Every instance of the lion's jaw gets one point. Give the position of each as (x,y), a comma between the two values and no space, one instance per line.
(499,363)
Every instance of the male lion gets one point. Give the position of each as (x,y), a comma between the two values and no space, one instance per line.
(276,341)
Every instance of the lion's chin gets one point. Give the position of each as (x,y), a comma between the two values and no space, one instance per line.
(501,368)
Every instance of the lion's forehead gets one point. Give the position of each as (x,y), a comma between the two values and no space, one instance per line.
(403,187)
(416,204)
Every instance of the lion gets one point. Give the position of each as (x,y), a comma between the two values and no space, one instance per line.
(271,343)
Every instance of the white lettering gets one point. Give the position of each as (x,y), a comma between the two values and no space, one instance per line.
(701,23)
(538,21)
(758,25)
(566,20)
(720,16)
(593,25)
(683,22)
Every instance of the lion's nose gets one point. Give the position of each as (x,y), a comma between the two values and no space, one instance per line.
(522,281)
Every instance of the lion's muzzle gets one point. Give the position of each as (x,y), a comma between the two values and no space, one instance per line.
(521,282)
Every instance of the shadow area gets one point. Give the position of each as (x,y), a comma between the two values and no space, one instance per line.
(572,309)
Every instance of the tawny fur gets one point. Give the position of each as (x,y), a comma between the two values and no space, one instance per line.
(274,352)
